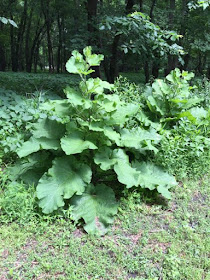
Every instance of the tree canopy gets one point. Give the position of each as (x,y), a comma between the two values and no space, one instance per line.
(133,35)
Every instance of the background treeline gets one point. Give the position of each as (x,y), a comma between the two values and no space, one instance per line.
(48,30)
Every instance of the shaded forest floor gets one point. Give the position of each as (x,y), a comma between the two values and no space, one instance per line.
(149,241)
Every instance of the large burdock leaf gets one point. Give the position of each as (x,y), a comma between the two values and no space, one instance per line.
(76,98)
(136,138)
(66,178)
(92,59)
(126,174)
(36,144)
(48,128)
(76,64)
(112,135)
(97,206)
(75,143)
(31,168)
(122,114)
(154,177)
(104,158)
(46,135)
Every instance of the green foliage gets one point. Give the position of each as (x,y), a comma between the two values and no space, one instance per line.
(17,203)
(28,83)
(170,99)
(89,138)
(97,206)
(17,113)
(142,36)
(185,151)
(10,21)
(180,112)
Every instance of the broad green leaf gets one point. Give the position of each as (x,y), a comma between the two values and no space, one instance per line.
(59,108)
(154,106)
(95,86)
(187,76)
(66,178)
(104,157)
(50,129)
(31,168)
(126,174)
(75,143)
(160,88)
(122,113)
(35,144)
(154,177)
(112,135)
(76,98)
(199,113)
(92,59)
(96,206)
(96,125)
(109,103)
(76,64)
(136,138)
(174,76)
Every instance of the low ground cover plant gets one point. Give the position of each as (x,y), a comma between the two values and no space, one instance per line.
(28,83)
(17,114)
(85,148)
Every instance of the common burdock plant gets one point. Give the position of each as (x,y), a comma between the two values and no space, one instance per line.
(84,149)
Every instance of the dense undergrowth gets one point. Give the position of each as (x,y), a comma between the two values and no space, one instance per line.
(28,83)
(93,144)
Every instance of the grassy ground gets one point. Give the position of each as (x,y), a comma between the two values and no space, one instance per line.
(149,240)
(27,83)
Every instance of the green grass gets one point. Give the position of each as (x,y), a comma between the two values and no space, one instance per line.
(150,240)
(28,83)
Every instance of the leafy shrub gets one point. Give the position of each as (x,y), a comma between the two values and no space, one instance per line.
(86,148)
(129,92)
(203,91)
(180,112)
(184,151)
(16,115)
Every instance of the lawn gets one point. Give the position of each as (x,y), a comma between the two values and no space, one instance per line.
(149,240)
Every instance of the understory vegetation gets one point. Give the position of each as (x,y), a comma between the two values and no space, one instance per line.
(104,139)
(125,153)
(150,240)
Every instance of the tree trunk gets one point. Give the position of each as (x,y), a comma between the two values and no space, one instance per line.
(152,9)
(93,39)
(129,6)
(141,5)
(172,60)
(48,21)
(27,45)
(12,48)
(146,71)
(113,72)
(3,58)
(19,43)
(155,69)
(59,43)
